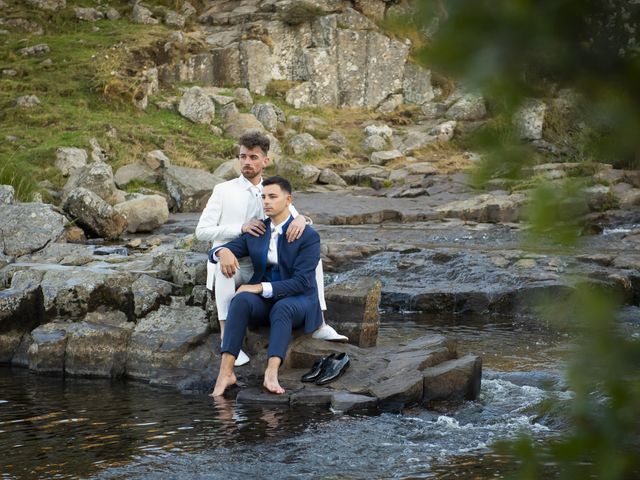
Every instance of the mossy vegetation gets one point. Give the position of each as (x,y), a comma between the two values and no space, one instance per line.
(298,13)
(87,93)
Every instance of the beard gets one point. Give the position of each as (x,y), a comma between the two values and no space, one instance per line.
(250,173)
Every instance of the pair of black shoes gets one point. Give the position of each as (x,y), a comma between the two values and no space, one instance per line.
(327,369)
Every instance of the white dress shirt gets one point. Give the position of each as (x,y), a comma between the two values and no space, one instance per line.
(272,255)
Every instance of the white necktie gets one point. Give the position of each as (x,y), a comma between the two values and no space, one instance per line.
(272,255)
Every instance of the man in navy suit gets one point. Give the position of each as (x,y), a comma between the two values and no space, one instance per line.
(282,292)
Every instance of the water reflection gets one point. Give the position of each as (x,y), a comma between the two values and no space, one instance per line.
(77,428)
(65,428)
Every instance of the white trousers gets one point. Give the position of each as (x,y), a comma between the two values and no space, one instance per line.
(225,288)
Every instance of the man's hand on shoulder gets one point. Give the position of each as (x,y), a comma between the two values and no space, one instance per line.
(257,288)
(296,228)
(228,262)
(254,227)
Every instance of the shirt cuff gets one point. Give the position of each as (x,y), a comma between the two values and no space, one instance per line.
(267,290)
(214,255)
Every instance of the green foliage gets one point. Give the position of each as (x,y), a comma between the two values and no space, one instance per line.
(279,88)
(511,49)
(604,374)
(19,176)
(503,154)
(516,48)
(555,212)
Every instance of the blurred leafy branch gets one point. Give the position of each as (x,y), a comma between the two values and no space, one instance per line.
(512,49)
(515,49)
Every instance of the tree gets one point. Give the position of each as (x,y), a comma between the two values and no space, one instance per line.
(512,49)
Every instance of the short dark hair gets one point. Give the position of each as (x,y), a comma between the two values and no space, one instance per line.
(284,184)
(255,138)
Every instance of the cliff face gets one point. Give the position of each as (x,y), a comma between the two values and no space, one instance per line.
(334,55)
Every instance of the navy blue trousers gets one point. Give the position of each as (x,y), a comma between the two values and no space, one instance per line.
(250,309)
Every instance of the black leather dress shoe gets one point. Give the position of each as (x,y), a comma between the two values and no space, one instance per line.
(313,374)
(332,368)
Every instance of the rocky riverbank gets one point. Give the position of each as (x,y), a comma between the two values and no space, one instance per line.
(104,278)
(138,307)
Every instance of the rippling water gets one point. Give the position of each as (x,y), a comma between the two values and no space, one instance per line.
(80,428)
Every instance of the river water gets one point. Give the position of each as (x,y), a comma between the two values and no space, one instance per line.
(85,428)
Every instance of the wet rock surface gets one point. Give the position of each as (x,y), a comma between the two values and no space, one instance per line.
(450,250)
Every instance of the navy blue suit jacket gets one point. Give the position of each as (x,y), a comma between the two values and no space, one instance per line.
(297,262)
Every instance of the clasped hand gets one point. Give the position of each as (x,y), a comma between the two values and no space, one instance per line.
(257,227)
(228,262)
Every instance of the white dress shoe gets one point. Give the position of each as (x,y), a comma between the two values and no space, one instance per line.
(241,359)
(325,332)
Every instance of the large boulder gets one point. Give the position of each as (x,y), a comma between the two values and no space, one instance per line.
(169,339)
(467,107)
(98,345)
(457,379)
(27,227)
(268,115)
(72,292)
(94,214)
(294,168)
(417,84)
(174,19)
(97,177)
(488,207)
(382,158)
(157,160)
(149,293)
(374,143)
(182,268)
(69,159)
(197,106)
(228,170)
(46,352)
(353,310)
(139,172)
(252,53)
(189,187)
(238,123)
(21,310)
(144,213)
(388,377)
(304,143)
(529,119)
(329,177)
(141,14)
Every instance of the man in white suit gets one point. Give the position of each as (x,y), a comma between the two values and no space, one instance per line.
(235,207)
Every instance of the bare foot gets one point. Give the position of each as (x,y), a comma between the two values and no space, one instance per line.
(224,380)
(271,382)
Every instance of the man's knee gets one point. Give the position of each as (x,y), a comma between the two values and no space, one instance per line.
(242,299)
(285,308)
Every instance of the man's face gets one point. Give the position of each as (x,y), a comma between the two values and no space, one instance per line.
(252,162)
(275,200)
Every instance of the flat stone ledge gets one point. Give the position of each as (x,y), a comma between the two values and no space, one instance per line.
(385,378)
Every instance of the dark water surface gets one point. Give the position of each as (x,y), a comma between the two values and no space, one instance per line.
(81,428)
